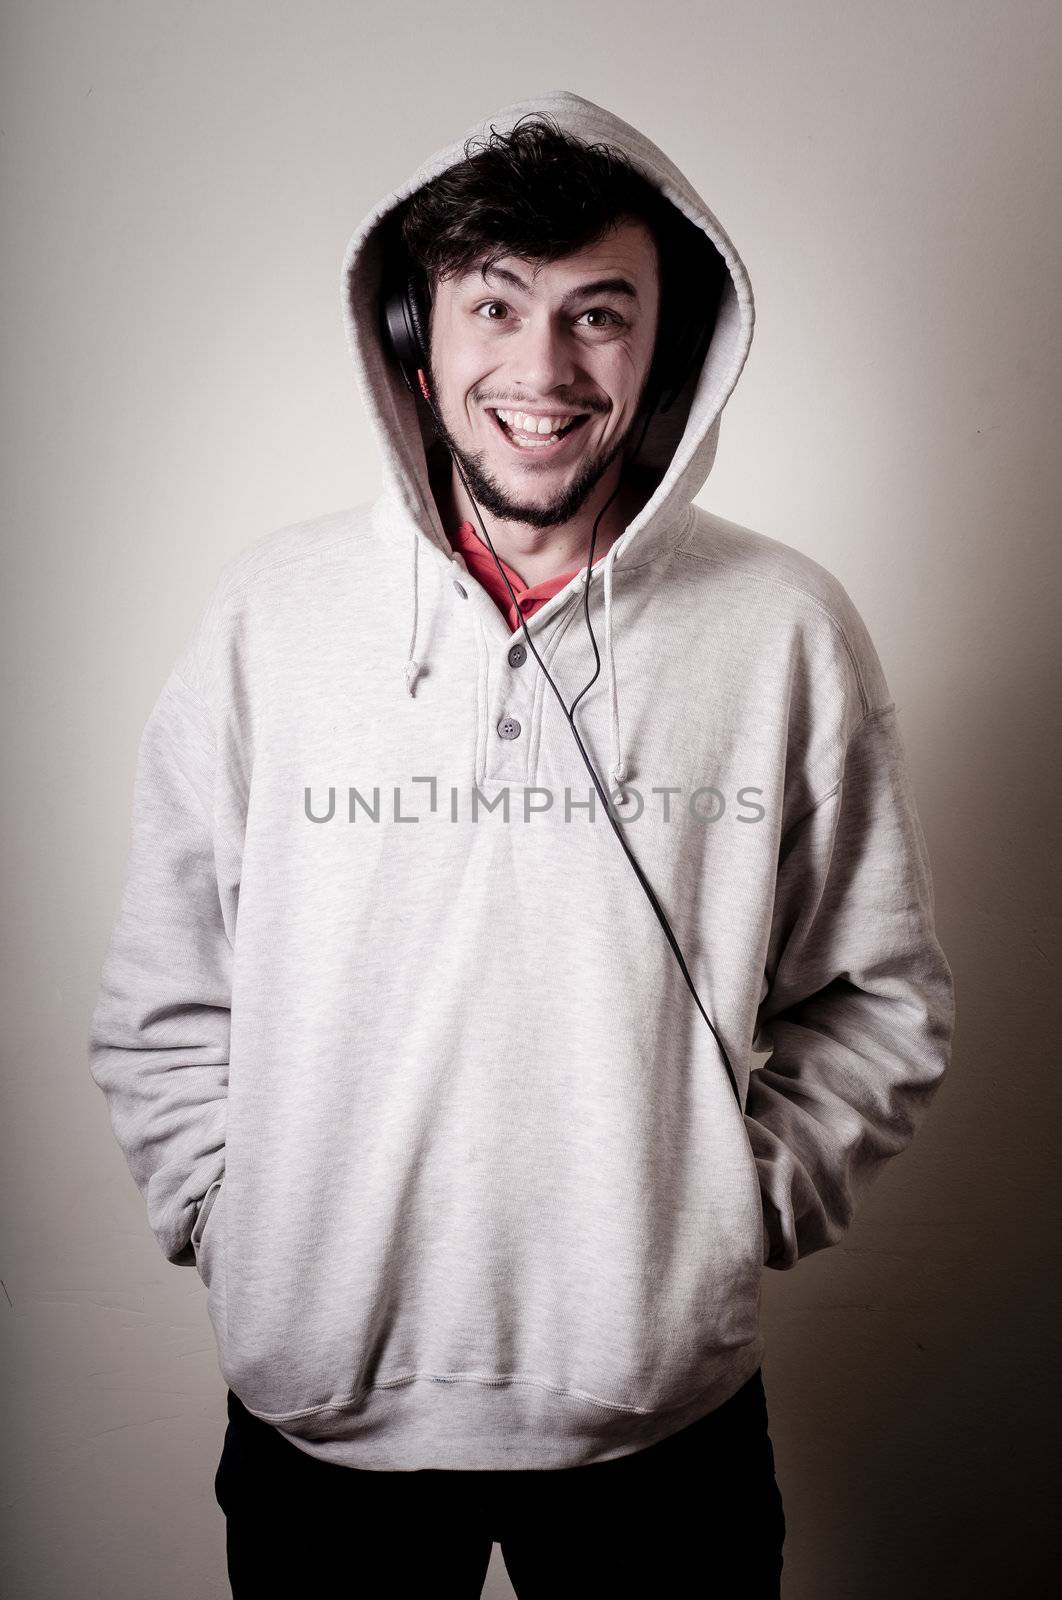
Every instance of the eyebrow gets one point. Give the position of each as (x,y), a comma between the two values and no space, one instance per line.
(619,286)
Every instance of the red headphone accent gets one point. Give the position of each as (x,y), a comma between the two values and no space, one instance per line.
(425,391)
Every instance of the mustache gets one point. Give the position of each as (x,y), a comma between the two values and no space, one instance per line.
(554,407)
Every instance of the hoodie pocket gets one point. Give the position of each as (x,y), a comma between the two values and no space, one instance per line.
(203,1235)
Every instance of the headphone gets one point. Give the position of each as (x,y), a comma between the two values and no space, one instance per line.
(404,326)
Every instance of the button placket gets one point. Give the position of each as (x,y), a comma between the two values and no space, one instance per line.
(509,727)
(498,767)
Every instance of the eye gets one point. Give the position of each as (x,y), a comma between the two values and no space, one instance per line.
(616,321)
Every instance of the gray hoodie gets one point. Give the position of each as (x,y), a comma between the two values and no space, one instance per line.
(392,1041)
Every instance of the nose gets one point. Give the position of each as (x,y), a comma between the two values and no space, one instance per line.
(545,359)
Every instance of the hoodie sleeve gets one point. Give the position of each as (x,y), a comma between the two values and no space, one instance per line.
(859,1007)
(159,1036)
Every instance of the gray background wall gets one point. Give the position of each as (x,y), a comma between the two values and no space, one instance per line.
(179,182)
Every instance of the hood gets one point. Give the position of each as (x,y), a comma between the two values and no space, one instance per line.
(679,447)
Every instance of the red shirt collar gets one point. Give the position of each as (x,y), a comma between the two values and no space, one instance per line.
(482,567)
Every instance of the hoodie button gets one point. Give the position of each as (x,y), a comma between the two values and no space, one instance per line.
(517,655)
(462,591)
(509,728)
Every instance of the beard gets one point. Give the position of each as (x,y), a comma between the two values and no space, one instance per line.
(493,497)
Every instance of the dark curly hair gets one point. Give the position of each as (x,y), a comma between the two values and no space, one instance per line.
(539,193)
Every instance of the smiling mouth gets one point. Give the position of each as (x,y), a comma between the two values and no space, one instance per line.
(546,446)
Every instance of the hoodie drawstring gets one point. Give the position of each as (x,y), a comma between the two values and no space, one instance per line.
(617,769)
(412,664)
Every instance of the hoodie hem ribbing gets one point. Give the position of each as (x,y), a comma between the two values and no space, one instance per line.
(484,1424)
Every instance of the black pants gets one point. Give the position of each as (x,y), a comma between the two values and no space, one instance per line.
(696,1514)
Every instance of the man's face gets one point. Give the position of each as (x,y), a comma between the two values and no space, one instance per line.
(573,339)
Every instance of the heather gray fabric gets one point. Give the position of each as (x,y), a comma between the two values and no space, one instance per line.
(392,1041)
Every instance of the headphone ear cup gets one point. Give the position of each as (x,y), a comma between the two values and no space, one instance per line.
(685,353)
(419,320)
(665,374)
(405,330)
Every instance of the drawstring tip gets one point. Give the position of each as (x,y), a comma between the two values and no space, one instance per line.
(412,672)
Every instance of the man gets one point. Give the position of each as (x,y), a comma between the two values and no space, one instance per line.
(441,1069)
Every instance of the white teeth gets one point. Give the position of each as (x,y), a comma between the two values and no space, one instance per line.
(526,424)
